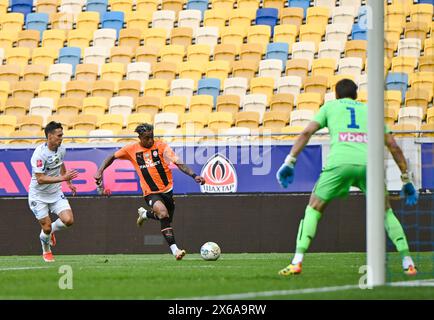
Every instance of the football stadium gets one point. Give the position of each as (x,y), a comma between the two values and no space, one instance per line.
(251,117)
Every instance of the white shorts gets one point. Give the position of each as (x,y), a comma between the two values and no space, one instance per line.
(41,209)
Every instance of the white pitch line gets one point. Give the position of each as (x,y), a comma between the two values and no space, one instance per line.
(414,283)
(22,268)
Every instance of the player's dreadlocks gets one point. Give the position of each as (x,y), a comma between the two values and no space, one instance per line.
(144,127)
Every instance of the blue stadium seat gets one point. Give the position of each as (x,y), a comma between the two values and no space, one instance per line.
(209,86)
(70,55)
(397,81)
(359,33)
(201,5)
(426,1)
(267,16)
(22,6)
(113,20)
(278,50)
(37,21)
(97,5)
(300,4)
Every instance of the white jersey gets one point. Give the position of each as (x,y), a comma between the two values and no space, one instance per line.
(49,163)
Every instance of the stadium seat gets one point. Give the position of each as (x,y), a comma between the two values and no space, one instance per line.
(77,89)
(200,5)
(247,119)
(422,13)
(113,122)
(182,87)
(209,86)
(31,122)
(18,56)
(121,5)
(181,36)
(121,105)
(202,103)
(42,106)
(309,101)
(282,102)
(112,20)
(148,54)
(155,37)
(359,33)
(139,71)
(63,119)
(10,73)
(397,81)
(147,5)
(113,71)
(193,121)
(86,72)
(410,115)
(226,5)
(301,117)
(172,53)
(225,52)
(278,50)
(148,104)
(50,89)
(275,119)
(4,92)
(166,121)
(63,20)
(121,54)
(4,4)
(267,16)
(164,19)
(426,64)
(79,38)
(97,5)
(316,84)
(351,66)
(233,35)
(190,18)
(228,103)
(318,15)
(235,86)
(103,88)
(69,106)
(60,72)
(330,50)
(255,102)
(409,47)
(129,88)
(251,51)
(290,84)
(291,16)
(190,70)
(323,66)
(300,4)
(104,37)
(139,19)
(304,50)
(37,21)
(356,48)
(103,135)
(220,120)
(417,98)
(416,30)
(74,136)
(270,68)
(337,32)
(297,67)
(135,119)
(427,127)
(12,22)
(88,20)
(215,18)
(207,35)
(262,85)
(85,122)
(404,64)
(164,70)
(35,73)
(16,107)
(7,39)
(8,123)
(23,90)
(423,81)
(344,14)
(393,100)
(241,17)
(285,33)
(156,87)
(21,6)
(218,69)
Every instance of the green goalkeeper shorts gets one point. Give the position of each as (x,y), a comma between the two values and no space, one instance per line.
(336,182)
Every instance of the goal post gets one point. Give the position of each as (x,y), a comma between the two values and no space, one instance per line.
(375,233)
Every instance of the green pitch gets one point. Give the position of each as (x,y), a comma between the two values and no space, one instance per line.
(237,276)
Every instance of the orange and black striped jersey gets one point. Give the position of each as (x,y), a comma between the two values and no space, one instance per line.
(152,165)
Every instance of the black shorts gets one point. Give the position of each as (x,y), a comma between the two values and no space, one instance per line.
(165,198)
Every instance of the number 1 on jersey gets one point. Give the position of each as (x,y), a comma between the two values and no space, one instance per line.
(353,124)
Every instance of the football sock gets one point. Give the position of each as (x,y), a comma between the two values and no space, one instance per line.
(396,233)
(307,229)
(298,258)
(150,214)
(407,262)
(45,241)
(174,248)
(167,231)
(58,225)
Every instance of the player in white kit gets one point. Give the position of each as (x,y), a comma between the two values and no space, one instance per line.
(45,190)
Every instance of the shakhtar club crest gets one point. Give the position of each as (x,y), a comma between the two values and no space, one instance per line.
(220,175)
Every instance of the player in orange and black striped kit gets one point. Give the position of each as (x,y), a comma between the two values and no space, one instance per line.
(151,160)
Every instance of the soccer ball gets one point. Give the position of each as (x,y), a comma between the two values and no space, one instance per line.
(210,251)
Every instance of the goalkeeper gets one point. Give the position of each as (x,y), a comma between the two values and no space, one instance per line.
(346,120)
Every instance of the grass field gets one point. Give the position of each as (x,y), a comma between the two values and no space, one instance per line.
(233,276)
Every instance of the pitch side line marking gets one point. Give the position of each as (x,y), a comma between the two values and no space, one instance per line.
(22,268)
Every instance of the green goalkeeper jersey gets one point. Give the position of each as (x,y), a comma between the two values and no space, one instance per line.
(346,120)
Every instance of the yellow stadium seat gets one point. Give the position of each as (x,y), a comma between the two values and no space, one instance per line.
(194,120)
(85,122)
(122,54)
(47,6)
(181,36)
(4,4)
(424,81)
(278,4)
(147,5)
(147,54)
(316,84)
(417,98)
(8,123)
(62,20)
(53,39)
(12,22)
(86,72)
(309,101)
(126,136)
(356,48)
(422,12)
(94,105)
(17,56)
(112,122)
(430,116)
(297,67)
(20,137)
(8,38)
(103,88)
(130,37)
(291,15)
(155,37)
(275,119)
(88,20)
(164,70)
(264,85)
(247,119)
(69,106)
(426,64)
(148,104)
(233,35)
(416,30)
(395,14)
(429,47)
(285,33)
(174,104)
(396,128)
(137,118)
(129,88)
(10,73)
(338,77)
(64,120)
(201,103)
(404,64)
(251,51)
(80,38)
(121,5)
(78,89)
(4,91)
(173,5)
(191,70)
(259,34)
(74,136)
(156,87)
(291,132)
(172,53)
(113,71)
(199,53)
(50,89)
(248,4)
(318,15)
(389,48)
(241,17)
(226,5)
(324,67)
(33,123)
(228,103)
(218,69)
(220,120)
(282,102)
(27,38)
(362,96)
(393,100)
(138,19)
(427,127)
(390,116)
(44,55)
(312,32)
(245,68)
(215,18)
(225,52)
(23,90)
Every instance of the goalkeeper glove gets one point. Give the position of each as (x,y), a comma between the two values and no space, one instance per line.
(285,174)
(408,190)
